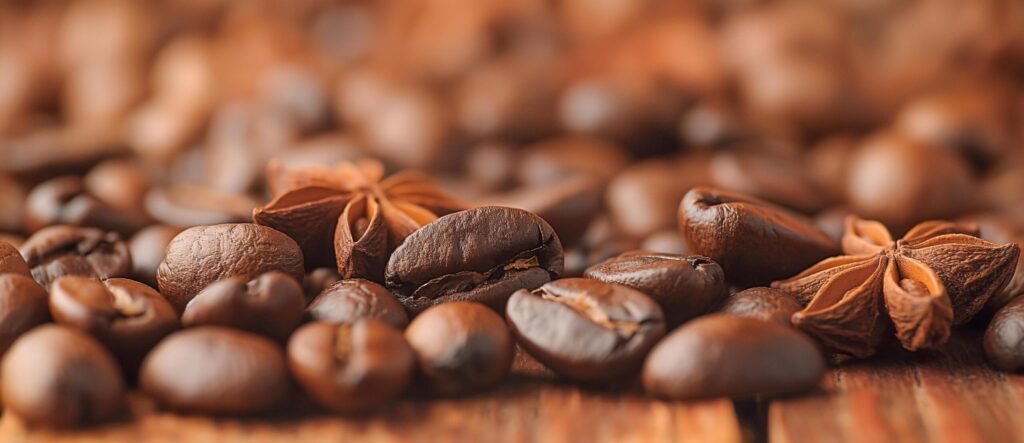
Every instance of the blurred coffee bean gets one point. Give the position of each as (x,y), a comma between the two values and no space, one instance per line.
(55,376)
(568,206)
(460,347)
(492,165)
(48,152)
(762,303)
(351,367)
(349,300)
(202,255)
(57,251)
(508,97)
(644,197)
(556,159)
(1004,338)
(755,242)
(833,222)
(11,261)
(774,178)
(826,164)
(579,259)
(971,121)
(148,248)
(122,184)
(482,255)
(328,148)
(665,241)
(13,240)
(709,125)
(216,370)
(12,205)
(317,280)
(728,356)
(900,181)
(66,201)
(185,206)
(1003,188)
(25,307)
(126,316)
(684,286)
(586,329)
(270,304)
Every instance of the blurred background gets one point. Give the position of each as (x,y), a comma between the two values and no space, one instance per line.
(597,114)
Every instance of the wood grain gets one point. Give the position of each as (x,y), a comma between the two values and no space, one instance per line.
(949,395)
(532,406)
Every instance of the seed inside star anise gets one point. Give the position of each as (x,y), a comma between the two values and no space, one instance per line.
(350,215)
(938,275)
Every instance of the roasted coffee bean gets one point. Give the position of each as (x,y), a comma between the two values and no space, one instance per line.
(185,206)
(460,347)
(586,329)
(727,356)
(216,370)
(352,367)
(901,181)
(270,304)
(126,316)
(643,198)
(491,165)
(349,300)
(762,303)
(148,248)
(317,280)
(568,206)
(684,286)
(57,251)
(771,177)
(66,201)
(12,204)
(11,261)
(755,242)
(56,376)
(22,307)
(556,159)
(578,259)
(205,254)
(483,255)
(665,241)
(121,184)
(1004,338)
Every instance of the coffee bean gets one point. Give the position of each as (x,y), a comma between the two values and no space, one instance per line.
(57,376)
(66,201)
(762,303)
(772,177)
(568,206)
(684,286)
(901,181)
(185,206)
(755,242)
(24,307)
(460,347)
(349,300)
(556,159)
(13,240)
(215,370)
(665,241)
(352,367)
(481,255)
(12,204)
(121,184)
(727,356)
(148,248)
(270,304)
(317,280)
(126,316)
(11,260)
(205,254)
(1004,338)
(57,251)
(586,329)
(643,198)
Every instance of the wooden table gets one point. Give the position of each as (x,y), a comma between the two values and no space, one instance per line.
(945,396)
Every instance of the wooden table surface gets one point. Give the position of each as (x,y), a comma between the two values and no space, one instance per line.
(943,396)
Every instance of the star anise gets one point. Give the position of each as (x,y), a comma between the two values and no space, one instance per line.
(349,215)
(938,275)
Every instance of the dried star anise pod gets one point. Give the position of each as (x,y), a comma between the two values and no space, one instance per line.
(350,215)
(938,275)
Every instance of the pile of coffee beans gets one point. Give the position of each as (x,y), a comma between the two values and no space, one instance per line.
(235,207)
